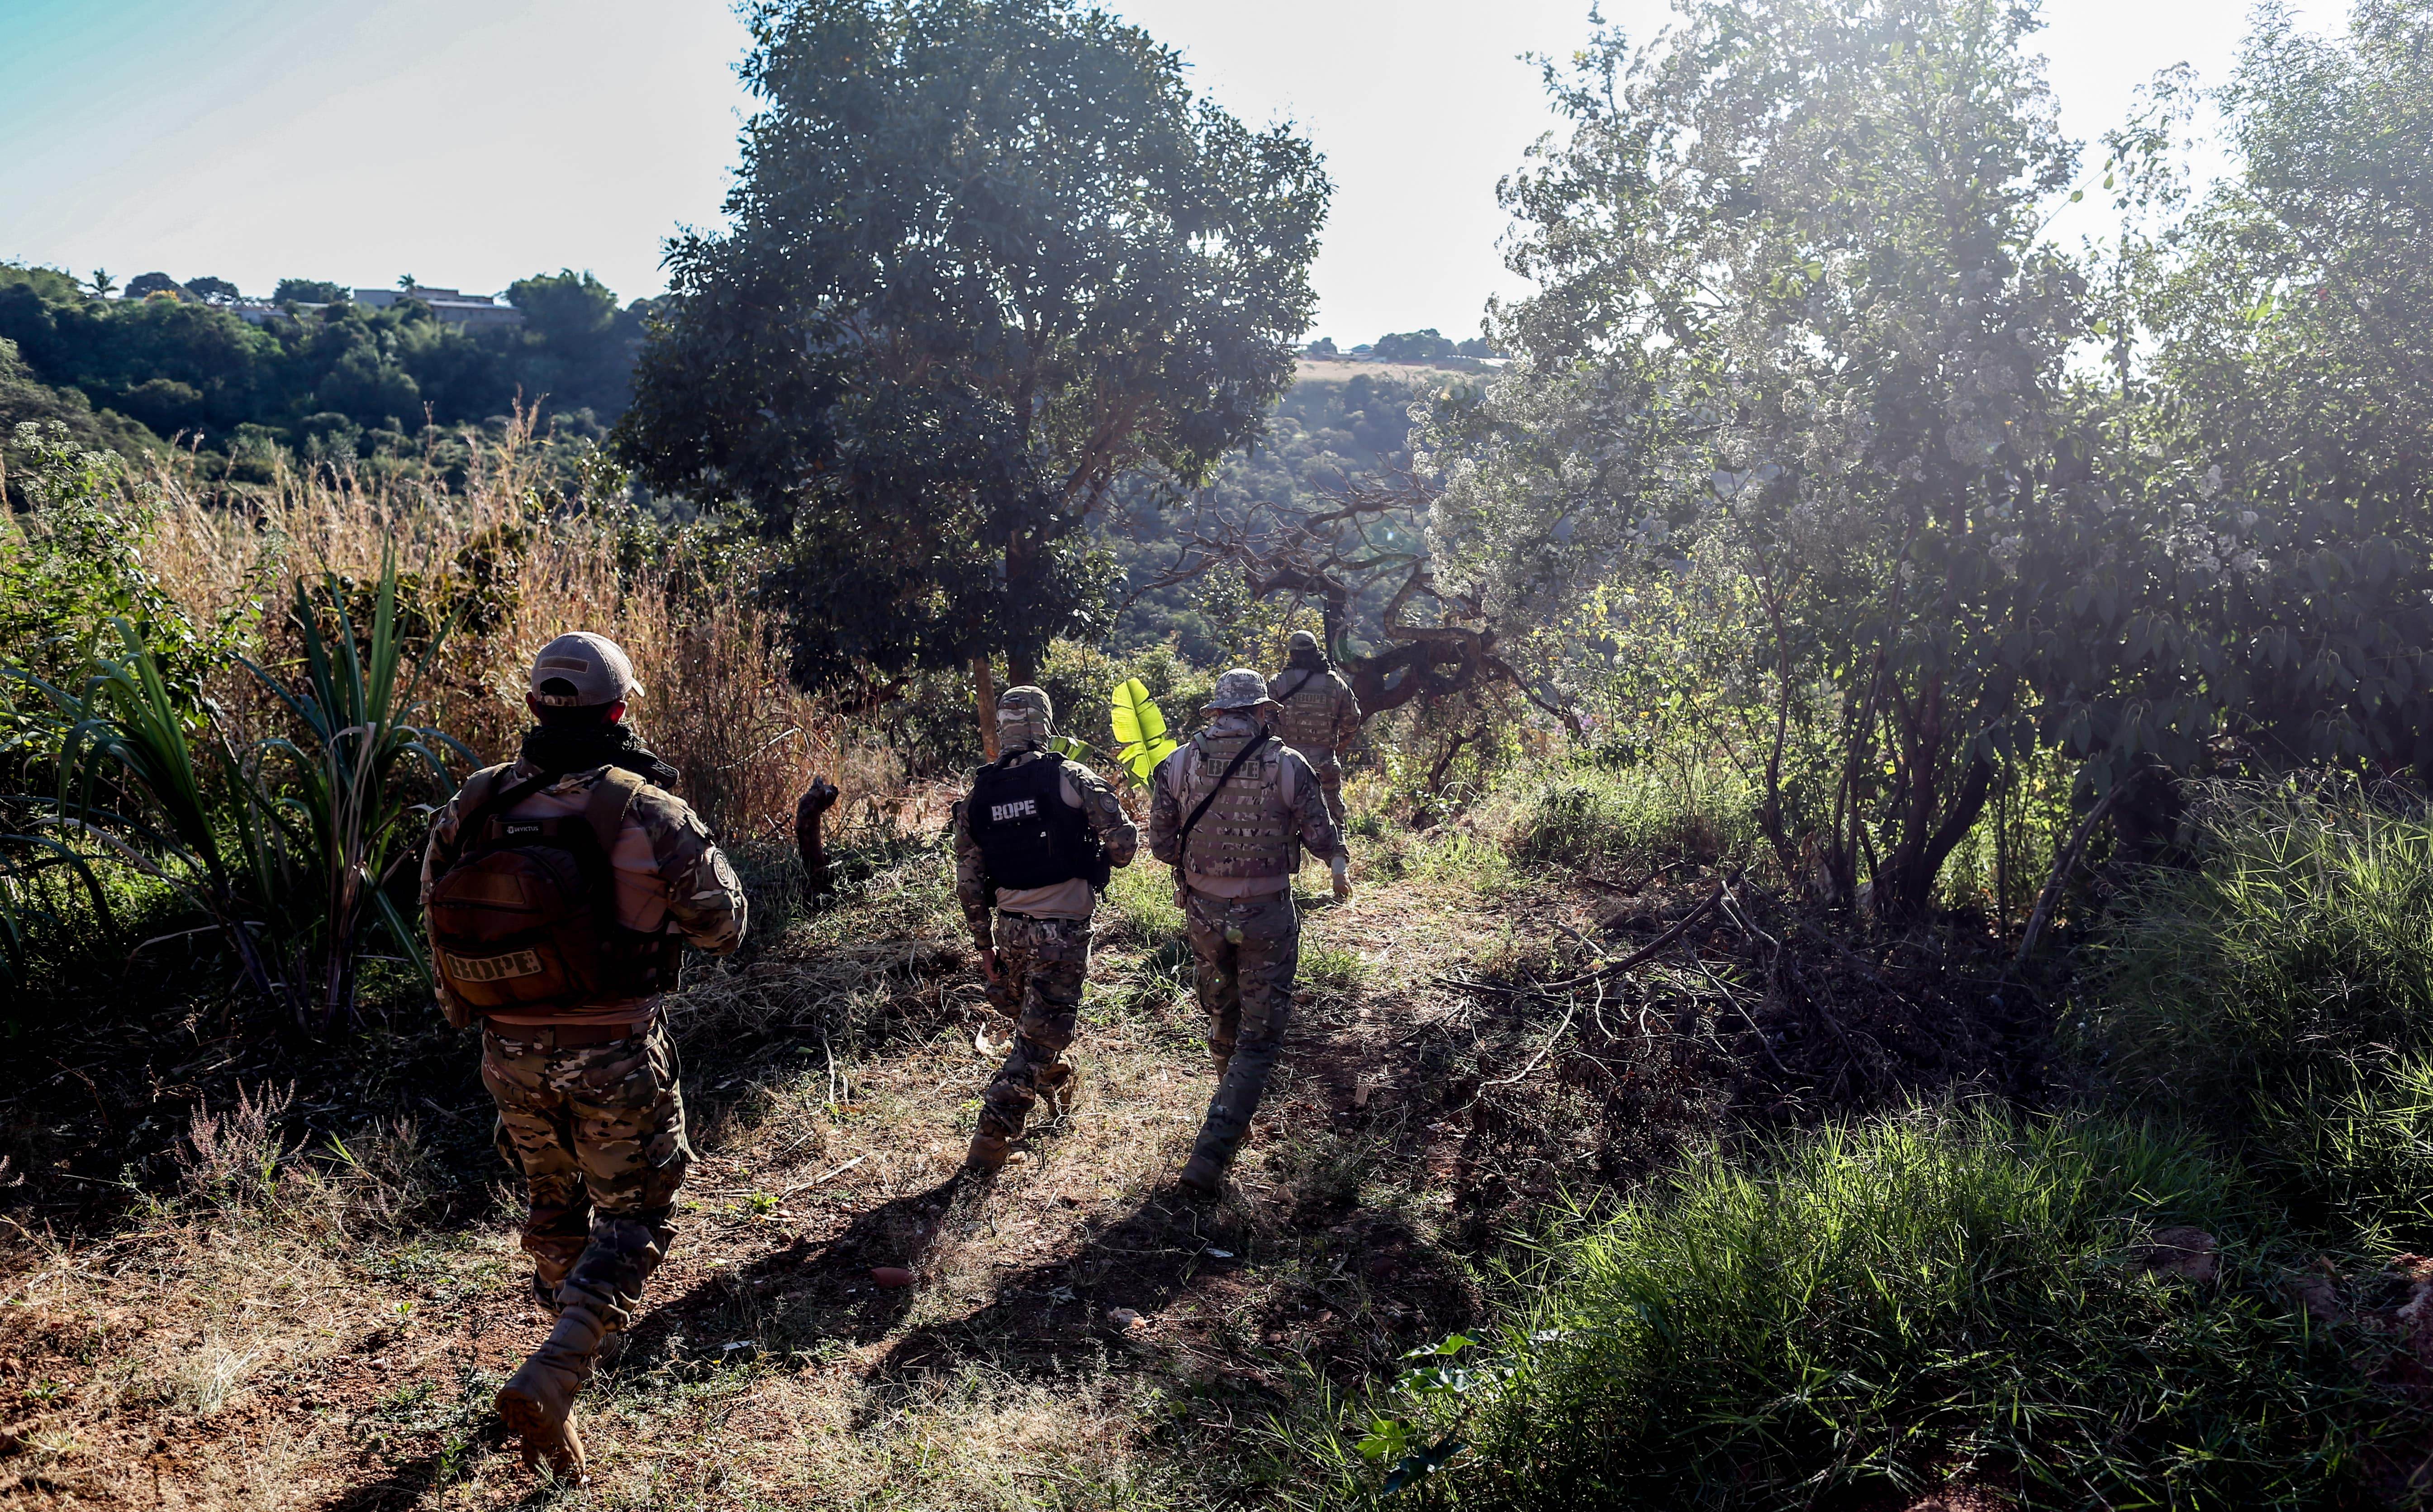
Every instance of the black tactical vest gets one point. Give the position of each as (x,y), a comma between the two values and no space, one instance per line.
(1027,836)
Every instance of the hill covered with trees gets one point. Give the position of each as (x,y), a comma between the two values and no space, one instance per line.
(325,377)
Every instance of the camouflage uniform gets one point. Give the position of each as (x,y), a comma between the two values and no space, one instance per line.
(588,1105)
(1237,898)
(599,1132)
(1320,718)
(1041,936)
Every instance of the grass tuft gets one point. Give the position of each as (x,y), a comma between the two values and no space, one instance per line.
(1877,1309)
(2282,993)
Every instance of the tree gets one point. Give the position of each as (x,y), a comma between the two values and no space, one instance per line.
(145,285)
(102,283)
(2261,572)
(1413,347)
(1793,332)
(986,258)
(1359,552)
(309,291)
(213,291)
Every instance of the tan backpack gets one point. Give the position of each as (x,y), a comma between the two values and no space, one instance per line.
(524,916)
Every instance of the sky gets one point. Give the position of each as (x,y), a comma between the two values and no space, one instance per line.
(471,143)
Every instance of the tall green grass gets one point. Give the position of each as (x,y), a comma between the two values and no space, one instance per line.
(1876,1309)
(1642,817)
(2282,993)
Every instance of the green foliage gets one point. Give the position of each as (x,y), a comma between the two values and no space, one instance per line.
(290,849)
(310,291)
(1413,347)
(1726,372)
(1140,730)
(1324,435)
(1637,818)
(26,399)
(2282,993)
(1874,1309)
(1015,261)
(187,366)
(74,563)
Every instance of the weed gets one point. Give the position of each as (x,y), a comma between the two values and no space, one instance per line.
(1637,818)
(1462,861)
(1877,1307)
(2282,993)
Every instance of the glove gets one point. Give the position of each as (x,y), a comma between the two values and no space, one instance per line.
(1342,867)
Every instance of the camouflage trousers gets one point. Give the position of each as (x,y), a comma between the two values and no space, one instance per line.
(1042,964)
(598,1131)
(1246,951)
(1330,782)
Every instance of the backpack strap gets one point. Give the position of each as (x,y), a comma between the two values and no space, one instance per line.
(496,797)
(604,809)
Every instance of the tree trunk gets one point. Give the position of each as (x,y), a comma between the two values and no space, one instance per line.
(984,700)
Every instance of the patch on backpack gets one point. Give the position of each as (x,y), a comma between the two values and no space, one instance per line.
(494,968)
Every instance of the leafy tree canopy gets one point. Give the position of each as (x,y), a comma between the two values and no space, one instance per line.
(309,291)
(986,258)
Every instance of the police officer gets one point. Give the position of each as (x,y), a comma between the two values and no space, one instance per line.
(1035,840)
(1320,718)
(1231,811)
(590,1110)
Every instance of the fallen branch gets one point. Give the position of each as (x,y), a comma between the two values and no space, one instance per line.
(1617,968)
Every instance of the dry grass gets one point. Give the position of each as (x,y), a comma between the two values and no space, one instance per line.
(718,703)
(288,1321)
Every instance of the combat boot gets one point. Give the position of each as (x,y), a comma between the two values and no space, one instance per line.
(1202,1175)
(987,1154)
(538,1401)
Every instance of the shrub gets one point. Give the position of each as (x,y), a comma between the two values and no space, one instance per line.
(1881,1308)
(2282,993)
(1640,817)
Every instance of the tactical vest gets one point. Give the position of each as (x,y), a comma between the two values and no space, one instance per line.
(1307,696)
(1027,835)
(1248,830)
(523,916)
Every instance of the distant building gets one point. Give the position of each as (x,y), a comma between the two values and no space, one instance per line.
(477,311)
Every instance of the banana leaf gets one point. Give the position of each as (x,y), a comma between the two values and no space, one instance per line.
(1140,727)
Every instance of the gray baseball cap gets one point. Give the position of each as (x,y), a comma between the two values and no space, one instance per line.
(1241,688)
(596,666)
(1302,640)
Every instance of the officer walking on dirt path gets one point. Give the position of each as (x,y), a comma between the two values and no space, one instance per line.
(1320,718)
(1035,840)
(1230,811)
(559,890)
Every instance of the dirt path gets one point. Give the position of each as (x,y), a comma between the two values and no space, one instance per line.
(1080,1335)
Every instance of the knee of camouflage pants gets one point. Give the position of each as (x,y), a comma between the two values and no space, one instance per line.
(1215,982)
(535,1136)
